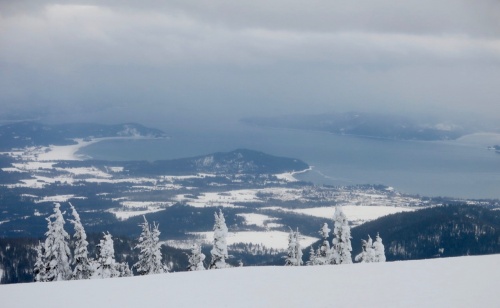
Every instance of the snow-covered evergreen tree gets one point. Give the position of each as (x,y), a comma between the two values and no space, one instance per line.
(196,259)
(219,250)
(312,257)
(378,250)
(39,270)
(341,244)
(325,232)
(323,255)
(106,266)
(294,251)
(150,258)
(123,270)
(367,254)
(57,253)
(83,268)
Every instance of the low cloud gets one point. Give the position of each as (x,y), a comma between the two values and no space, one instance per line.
(95,58)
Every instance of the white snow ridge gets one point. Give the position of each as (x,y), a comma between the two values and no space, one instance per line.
(451,282)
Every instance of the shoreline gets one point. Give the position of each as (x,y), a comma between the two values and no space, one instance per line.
(64,152)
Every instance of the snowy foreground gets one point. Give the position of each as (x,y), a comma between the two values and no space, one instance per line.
(451,282)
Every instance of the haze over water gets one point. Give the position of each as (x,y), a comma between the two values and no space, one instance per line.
(462,169)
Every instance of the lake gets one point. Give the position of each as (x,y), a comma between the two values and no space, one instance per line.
(463,168)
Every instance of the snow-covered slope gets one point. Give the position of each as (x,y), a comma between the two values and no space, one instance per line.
(452,282)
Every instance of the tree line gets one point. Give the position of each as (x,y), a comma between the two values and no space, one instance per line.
(55,261)
(340,251)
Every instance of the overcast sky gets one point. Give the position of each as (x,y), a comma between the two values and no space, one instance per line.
(124,60)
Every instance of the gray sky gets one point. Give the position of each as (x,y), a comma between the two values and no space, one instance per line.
(180,61)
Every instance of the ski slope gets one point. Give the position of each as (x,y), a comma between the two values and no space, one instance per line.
(451,282)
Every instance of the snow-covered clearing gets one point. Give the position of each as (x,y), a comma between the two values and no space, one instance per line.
(451,282)
(252,219)
(289,176)
(223,199)
(60,152)
(173,178)
(357,214)
(124,215)
(138,208)
(269,239)
(145,204)
(91,171)
(33,165)
(231,197)
(58,198)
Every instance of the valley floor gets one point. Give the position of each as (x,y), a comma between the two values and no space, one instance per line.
(451,282)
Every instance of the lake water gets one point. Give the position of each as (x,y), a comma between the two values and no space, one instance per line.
(462,168)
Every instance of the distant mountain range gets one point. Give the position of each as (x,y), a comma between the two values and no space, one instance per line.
(240,161)
(24,134)
(364,124)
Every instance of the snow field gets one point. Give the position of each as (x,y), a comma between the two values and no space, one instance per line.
(124,215)
(138,208)
(259,220)
(357,214)
(269,239)
(289,176)
(452,282)
(231,197)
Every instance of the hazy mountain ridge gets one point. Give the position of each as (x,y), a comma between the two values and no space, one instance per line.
(25,134)
(366,124)
(241,161)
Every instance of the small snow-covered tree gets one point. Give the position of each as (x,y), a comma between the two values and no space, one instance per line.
(57,253)
(196,259)
(123,270)
(219,250)
(150,250)
(324,252)
(324,231)
(367,254)
(39,270)
(312,257)
(294,251)
(105,265)
(83,268)
(341,244)
(378,250)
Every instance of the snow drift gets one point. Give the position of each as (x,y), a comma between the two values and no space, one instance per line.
(451,282)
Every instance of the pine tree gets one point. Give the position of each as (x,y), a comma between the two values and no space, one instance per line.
(324,231)
(150,250)
(123,270)
(294,251)
(196,259)
(106,266)
(83,268)
(57,253)
(367,254)
(312,257)
(39,270)
(298,248)
(378,250)
(341,244)
(323,254)
(219,250)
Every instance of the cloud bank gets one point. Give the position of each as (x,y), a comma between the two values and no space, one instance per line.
(128,60)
